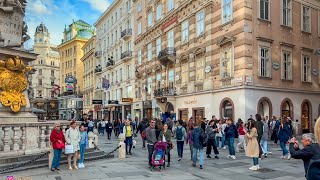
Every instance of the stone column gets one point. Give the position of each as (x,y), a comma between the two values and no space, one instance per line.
(32,136)
(15,138)
(48,135)
(6,138)
(42,137)
(23,138)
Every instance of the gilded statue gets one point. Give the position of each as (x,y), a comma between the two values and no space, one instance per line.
(13,82)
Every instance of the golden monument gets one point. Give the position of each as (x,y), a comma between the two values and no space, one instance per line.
(13,81)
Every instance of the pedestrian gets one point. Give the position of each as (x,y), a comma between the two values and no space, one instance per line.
(219,134)
(128,131)
(159,127)
(259,127)
(314,165)
(165,136)
(73,138)
(284,135)
(116,126)
(58,142)
(189,141)
(264,139)
(190,123)
(242,141)
(311,150)
(250,118)
(204,124)
(252,149)
(169,123)
(198,138)
(103,126)
(90,125)
(109,129)
(83,144)
(231,132)
(122,124)
(238,123)
(223,138)
(181,136)
(210,132)
(141,128)
(151,139)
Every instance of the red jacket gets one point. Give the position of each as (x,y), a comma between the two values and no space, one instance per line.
(241,131)
(55,136)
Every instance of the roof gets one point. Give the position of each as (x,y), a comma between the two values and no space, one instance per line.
(81,22)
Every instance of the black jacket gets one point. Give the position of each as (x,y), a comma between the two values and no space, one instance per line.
(306,154)
(314,170)
(142,126)
(259,126)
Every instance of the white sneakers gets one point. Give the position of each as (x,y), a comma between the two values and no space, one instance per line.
(81,165)
(231,156)
(288,157)
(254,168)
(224,147)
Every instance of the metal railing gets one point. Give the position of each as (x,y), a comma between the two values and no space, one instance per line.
(167,91)
(126,32)
(126,54)
(170,51)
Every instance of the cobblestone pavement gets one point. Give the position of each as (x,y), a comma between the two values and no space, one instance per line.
(135,167)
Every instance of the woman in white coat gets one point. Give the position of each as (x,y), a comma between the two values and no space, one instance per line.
(73,138)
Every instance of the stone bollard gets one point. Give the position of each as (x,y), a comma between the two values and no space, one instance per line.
(50,157)
(90,139)
(122,149)
(96,137)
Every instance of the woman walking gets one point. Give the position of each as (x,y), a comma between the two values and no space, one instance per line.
(165,136)
(181,136)
(128,131)
(83,145)
(189,141)
(242,141)
(284,135)
(231,132)
(57,142)
(252,149)
(73,138)
(211,131)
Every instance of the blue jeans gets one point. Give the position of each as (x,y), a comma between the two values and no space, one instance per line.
(223,139)
(284,148)
(195,155)
(255,161)
(218,139)
(128,144)
(264,146)
(180,148)
(231,146)
(102,129)
(56,158)
(82,151)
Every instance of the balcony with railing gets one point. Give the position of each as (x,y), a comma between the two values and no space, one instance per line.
(163,92)
(126,34)
(98,54)
(98,69)
(167,56)
(126,56)
(110,63)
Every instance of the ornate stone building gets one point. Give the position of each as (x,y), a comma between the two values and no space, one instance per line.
(227,58)
(45,80)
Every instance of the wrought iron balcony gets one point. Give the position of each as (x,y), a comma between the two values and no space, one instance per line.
(126,34)
(98,54)
(167,91)
(125,56)
(110,64)
(167,55)
(98,69)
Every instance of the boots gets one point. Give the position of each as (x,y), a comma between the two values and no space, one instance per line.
(168,165)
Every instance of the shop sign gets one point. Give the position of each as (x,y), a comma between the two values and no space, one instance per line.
(97,101)
(314,71)
(129,100)
(113,102)
(275,65)
(191,102)
(168,23)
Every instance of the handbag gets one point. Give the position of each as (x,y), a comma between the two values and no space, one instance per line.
(68,149)
(59,145)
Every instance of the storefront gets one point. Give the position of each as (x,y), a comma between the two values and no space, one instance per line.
(147,109)
(137,110)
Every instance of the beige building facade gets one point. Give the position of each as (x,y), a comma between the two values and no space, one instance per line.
(228,58)
(115,52)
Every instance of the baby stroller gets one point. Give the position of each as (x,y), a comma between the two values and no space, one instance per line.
(159,156)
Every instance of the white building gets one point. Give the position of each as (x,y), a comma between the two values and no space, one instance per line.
(114,47)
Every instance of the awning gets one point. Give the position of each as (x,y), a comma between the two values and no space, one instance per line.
(36,110)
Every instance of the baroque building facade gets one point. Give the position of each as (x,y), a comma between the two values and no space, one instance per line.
(227,58)
(75,37)
(45,79)
(115,55)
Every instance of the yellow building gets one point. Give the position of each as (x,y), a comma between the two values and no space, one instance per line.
(71,67)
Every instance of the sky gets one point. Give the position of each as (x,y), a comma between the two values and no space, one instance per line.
(55,14)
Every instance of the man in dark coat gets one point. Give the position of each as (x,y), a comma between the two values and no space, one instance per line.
(142,126)
(310,150)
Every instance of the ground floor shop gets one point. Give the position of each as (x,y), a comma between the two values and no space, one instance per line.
(118,111)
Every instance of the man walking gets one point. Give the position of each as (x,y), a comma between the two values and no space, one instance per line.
(197,137)
(109,129)
(151,139)
(211,131)
(141,128)
(181,136)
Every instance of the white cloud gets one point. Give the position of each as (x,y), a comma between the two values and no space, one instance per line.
(100,5)
(41,7)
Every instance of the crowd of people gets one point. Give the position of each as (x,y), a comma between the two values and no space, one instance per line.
(252,138)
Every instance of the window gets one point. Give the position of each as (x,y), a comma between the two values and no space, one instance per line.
(116,76)
(120,75)
(159,12)
(264,9)
(171,78)
(264,61)
(159,80)
(306,69)
(40,71)
(170,5)
(226,11)
(139,28)
(140,6)
(185,31)
(129,92)
(199,69)
(200,23)
(306,20)
(171,39)
(150,19)
(149,86)
(39,93)
(226,63)
(139,56)
(128,71)
(39,82)
(286,12)
(149,52)
(52,72)
(158,44)
(286,65)
(184,73)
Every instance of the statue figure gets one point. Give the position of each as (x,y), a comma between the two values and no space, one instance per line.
(2,3)
(25,36)
(13,82)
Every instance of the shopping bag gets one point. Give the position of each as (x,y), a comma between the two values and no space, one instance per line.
(60,145)
(68,149)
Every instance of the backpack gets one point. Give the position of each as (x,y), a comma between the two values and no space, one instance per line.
(179,134)
(236,133)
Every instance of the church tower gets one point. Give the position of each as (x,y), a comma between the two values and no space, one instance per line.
(42,35)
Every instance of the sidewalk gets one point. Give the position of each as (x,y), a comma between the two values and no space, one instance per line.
(135,167)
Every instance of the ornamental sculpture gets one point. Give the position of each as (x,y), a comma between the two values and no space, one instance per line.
(13,81)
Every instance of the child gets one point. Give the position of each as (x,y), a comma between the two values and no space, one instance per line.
(83,145)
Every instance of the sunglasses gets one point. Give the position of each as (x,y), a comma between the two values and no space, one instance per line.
(152,122)
(57,126)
